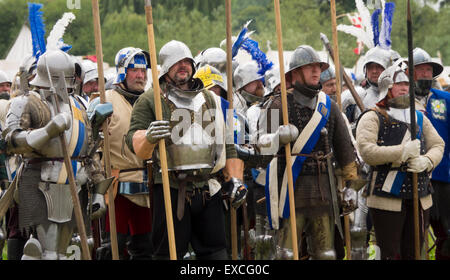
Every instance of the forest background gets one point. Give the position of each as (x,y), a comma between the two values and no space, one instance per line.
(201,24)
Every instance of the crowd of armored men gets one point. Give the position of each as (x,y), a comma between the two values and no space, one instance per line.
(347,160)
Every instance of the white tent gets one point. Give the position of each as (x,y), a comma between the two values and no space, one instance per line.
(22,48)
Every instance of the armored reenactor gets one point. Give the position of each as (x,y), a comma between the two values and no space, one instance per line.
(193,159)
(328,82)
(32,129)
(314,119)
(249,86)
(433,103)
(384,141)
(131,194)
(376,60)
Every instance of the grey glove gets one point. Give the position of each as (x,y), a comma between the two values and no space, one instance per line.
(157,130)
(287,133)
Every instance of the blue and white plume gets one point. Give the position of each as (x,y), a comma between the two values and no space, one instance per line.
(370,32)
(244,42)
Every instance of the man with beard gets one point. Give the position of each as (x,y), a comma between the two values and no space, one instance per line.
(249,86)
(321,125)
(193,159)
(130,187)
(384,141)
(434,103)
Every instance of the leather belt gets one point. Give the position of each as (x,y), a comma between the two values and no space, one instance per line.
(183,179)
(133,188)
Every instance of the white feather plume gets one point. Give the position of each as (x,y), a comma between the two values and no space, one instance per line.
(54,39)
(365,18)
(365,33)
(358,33)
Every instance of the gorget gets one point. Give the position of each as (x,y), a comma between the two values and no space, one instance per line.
(402,115)
(305,96)
(191,100)
(371,97)
(251,98)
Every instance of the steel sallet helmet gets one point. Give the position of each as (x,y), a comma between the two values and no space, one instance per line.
(392,75)
(130,58)
(171,53)
(245,74)
(4,78)
(273,79)
(210,77)
(327,75)
(215,57)
(304,55)
(379,56)
(54,62)
(420,56)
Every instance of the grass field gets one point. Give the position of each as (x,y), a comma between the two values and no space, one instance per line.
(372,249)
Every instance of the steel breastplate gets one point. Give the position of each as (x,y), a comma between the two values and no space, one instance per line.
(190,147)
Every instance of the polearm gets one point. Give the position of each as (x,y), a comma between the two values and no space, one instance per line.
(412,104)
(233,219)
(336,54)
(61,86)
(287,147)
(162,143)
(338,69)
(346,78)
(106,149)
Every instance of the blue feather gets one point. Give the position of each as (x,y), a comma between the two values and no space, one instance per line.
(375,27)
(239,41)
(388,16)
(259,56)
(37,28)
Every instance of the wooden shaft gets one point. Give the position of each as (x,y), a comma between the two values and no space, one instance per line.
(75,200)
(338,69)
(233,216)
(336,54)
(286,122)
(348,244)
(105,129)
(413,131)
(162,143)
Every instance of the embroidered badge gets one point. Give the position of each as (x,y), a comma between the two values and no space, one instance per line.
(439,109)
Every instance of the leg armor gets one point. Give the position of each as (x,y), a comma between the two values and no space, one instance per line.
(264,242)
(320,238)
(358,230)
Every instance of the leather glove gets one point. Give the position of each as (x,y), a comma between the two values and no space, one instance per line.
(419,164)
(411,150)
(287,133)
(237,192)
(157,131)
(98,206)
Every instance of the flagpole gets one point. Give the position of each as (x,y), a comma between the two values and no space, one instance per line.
(287,148)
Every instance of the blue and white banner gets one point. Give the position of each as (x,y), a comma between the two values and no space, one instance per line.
(278,204)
